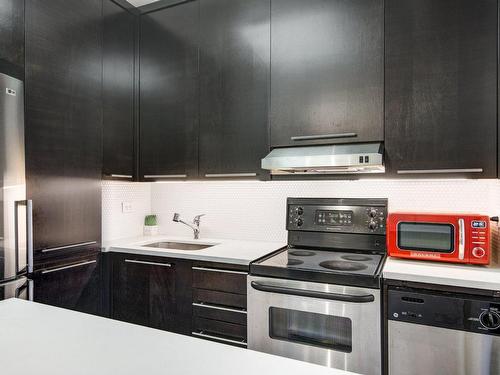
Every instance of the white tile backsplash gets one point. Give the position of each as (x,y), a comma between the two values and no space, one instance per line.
(252,210)
(115,223)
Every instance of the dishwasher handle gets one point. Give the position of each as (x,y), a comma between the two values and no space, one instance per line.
(363,298)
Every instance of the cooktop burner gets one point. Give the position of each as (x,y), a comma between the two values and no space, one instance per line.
(356,257)
(302,253)
(342,265)
(294,262)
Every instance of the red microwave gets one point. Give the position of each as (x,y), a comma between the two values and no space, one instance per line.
(446,238)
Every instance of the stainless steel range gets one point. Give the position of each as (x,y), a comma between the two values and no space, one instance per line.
(318,300)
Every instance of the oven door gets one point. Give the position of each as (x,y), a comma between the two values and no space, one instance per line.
(330,325)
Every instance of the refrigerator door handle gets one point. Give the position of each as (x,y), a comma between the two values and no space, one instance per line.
(29,236)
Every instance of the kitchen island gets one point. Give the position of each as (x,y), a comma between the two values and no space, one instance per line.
(43,340)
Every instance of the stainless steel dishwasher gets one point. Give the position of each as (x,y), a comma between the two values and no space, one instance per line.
(438,333)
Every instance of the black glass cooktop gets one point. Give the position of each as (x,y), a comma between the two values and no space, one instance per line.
(309,264)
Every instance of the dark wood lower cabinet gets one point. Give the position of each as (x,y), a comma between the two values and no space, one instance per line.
(75,286)
(202,299)
(153,292)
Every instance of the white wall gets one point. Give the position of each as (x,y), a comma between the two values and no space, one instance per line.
(256,210)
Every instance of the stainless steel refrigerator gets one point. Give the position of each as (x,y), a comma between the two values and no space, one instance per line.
(16,224)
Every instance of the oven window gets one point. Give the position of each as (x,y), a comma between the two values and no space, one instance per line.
(325,331)
(424,236)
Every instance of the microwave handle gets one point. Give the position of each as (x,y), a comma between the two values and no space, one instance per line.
(461,239)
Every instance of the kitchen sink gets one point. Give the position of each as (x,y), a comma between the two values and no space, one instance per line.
(179,246)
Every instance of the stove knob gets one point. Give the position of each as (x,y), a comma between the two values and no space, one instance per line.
(478,252)
(490,320)
(372,225)
(372,213)
(299,210)
(300,222)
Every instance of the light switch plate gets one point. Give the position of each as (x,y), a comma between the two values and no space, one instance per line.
(127,207)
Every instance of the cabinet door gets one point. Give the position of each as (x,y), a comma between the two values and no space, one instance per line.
(64,120)
(441,84)
(144,292)
(234,84)
(169,93)
(118,91)
(12,37)
(75,286)
(327,71)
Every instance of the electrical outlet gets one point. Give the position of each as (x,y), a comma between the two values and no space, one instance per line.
(127,207)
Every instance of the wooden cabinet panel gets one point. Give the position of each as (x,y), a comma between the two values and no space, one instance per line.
(64,120)
(220,329)
(234,84)
(441,84)
(327,74)
(155,292)
(169,92)
(220,281)
(75,286)
(12,37)
(118,90)
(215,297)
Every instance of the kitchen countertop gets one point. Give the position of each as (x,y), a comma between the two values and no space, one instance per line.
(224,251)
(467,276)
(43,340)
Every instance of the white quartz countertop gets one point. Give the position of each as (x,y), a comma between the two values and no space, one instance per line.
(467,276)
(224,251)
(44,340)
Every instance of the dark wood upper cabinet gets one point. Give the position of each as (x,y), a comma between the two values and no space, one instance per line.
(118,91)
(441,86)
(12,37)
(327,73)
(169,93)
(63,120)
(234,86)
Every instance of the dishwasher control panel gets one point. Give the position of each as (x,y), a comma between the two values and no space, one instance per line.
(446,310)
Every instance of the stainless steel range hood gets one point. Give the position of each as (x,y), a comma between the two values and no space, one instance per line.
(329,159)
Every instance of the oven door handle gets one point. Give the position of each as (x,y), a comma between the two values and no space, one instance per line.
(364,298)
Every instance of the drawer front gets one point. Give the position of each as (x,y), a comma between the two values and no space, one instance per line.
(218,328)
(220,280)
(214,297)
(220,313)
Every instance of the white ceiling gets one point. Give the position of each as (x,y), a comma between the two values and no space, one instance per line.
(138,3)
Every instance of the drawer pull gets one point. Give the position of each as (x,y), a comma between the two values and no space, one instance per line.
(121,176)
(68,267)
(323,136)
(434,171)
(148,263)
(209,306)
(204,335)
(219,270)
(69,246)
(228,175)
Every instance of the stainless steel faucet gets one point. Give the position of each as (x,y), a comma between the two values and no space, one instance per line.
(195,226)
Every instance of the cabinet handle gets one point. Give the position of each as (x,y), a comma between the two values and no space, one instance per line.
(221,175)
(68,267)
(69,246)
(323,136)
(121,176)
(204,335)
(429,171)
(219,270)
(165,176)
(209,306)
(148,263)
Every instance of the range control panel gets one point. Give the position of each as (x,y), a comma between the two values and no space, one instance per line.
(337,215)
(459,312)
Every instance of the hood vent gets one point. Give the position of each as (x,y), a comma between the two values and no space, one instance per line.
(330,159)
